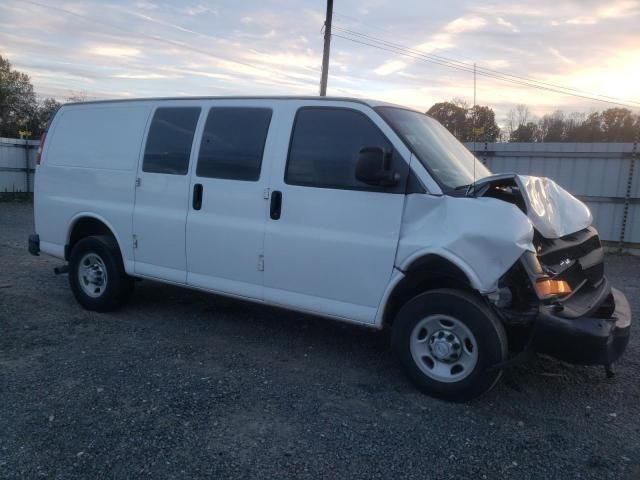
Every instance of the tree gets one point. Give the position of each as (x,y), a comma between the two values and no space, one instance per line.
(18,103)
(460,120)
(19,108)
(517,117)
(617,125)
(45,110)
(483,119)
(552,127)
(453,117)
(525,133)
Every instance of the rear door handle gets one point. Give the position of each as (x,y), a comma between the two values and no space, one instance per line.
(197,196)
(276,205)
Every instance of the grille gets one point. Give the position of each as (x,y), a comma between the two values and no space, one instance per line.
(577,258)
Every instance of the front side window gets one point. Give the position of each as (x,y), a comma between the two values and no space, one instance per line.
(448,160)
(325,147)
(169,141)
(233,143)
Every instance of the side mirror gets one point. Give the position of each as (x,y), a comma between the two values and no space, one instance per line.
(374,167)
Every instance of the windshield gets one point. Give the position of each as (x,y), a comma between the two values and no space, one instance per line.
(440,152)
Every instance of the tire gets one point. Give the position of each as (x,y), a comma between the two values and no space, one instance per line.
(447,341)
(96,274)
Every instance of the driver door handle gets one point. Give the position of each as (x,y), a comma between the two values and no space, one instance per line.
(276,205)
(197,196)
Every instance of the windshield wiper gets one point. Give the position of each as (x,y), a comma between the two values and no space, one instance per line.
(469,187)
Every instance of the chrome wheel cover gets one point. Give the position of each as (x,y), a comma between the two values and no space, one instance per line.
(444,348)
(92,275)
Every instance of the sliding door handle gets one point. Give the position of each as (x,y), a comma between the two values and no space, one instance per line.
(197,196)
(276,205)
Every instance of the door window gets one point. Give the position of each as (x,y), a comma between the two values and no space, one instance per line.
(169,141)
(325,147)
(233,143)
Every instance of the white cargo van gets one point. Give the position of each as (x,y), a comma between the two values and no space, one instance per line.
(353,210)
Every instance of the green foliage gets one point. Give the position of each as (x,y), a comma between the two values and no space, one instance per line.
(524,133)
(611,125)
(19,107)
(461,120)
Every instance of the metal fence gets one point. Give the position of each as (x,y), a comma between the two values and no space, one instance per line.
(17,162)
(600,174)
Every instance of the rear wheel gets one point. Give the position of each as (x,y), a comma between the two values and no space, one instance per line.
(447,342)
(96,274)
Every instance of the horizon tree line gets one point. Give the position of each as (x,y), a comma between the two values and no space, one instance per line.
(478,123)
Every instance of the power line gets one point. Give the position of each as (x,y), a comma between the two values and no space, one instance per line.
(470,65)
(497,72)
(166,41)
(466,67)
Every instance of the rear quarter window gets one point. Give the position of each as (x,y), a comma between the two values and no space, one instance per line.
(100,136)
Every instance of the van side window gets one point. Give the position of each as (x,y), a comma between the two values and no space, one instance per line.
(325,147)
(169,141)
(233,143)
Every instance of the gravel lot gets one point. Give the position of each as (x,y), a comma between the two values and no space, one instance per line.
(182,384)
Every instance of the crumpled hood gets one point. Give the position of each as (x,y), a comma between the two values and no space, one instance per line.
(553,211)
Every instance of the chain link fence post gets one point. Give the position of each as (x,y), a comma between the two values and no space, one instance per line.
(627,197)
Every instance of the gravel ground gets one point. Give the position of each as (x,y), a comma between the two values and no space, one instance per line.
(181,384)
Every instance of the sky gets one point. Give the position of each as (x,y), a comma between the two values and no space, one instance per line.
(145,48)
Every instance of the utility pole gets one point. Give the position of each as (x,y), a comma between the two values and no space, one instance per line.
(327,46)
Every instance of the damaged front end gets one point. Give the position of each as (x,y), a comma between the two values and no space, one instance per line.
(557,299)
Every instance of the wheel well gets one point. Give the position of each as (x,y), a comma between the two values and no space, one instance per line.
(426,273)
(84,227)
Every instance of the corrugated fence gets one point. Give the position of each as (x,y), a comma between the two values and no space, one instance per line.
(600,174)
(17,161)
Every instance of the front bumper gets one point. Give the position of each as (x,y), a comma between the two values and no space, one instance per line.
(588,340)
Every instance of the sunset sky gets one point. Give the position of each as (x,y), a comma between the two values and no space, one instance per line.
(274,47)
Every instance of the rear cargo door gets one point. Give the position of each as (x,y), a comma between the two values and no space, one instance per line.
(162,194)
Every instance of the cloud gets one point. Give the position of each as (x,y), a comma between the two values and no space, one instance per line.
(509,25)
(443,39)
(464,24)
(200,9)
(446,36)
(143,76)
(583,20)
(115,51)
(153,48)
(143,5)
(556,53)
(390,67)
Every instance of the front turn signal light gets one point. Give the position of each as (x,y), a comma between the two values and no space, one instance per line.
(547,287)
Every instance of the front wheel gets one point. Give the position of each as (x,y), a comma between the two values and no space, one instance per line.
(96,274)
(447,341)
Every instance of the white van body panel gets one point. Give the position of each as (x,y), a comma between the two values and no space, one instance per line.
(336,253)
(225,238)
(91,157)
(332,251)
(482,236)
(159,218)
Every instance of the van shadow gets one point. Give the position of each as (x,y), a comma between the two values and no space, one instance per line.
(243,323)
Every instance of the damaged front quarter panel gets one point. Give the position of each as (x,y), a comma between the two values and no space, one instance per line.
(553,211)
(483,237)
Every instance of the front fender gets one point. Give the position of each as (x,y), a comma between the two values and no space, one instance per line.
(483,237)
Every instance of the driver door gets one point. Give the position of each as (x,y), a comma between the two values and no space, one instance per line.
(331,240)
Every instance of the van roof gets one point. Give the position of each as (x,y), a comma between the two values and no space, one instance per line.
(365,101)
